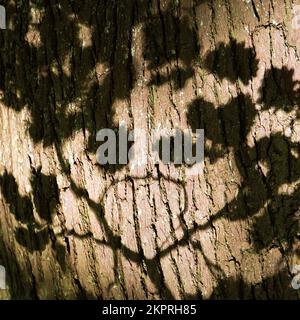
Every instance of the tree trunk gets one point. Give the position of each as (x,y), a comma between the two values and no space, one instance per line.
(71,228)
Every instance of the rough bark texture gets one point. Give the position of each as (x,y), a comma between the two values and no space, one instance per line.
(73,229)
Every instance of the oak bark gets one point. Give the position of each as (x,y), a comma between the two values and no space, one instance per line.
(71,228)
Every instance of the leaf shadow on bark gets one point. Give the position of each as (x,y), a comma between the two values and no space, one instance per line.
(57,114)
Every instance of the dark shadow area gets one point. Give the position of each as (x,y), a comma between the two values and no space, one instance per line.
(268,289)
(34,232)
(16,279)
(170,39)
(233,61)
(279,89)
